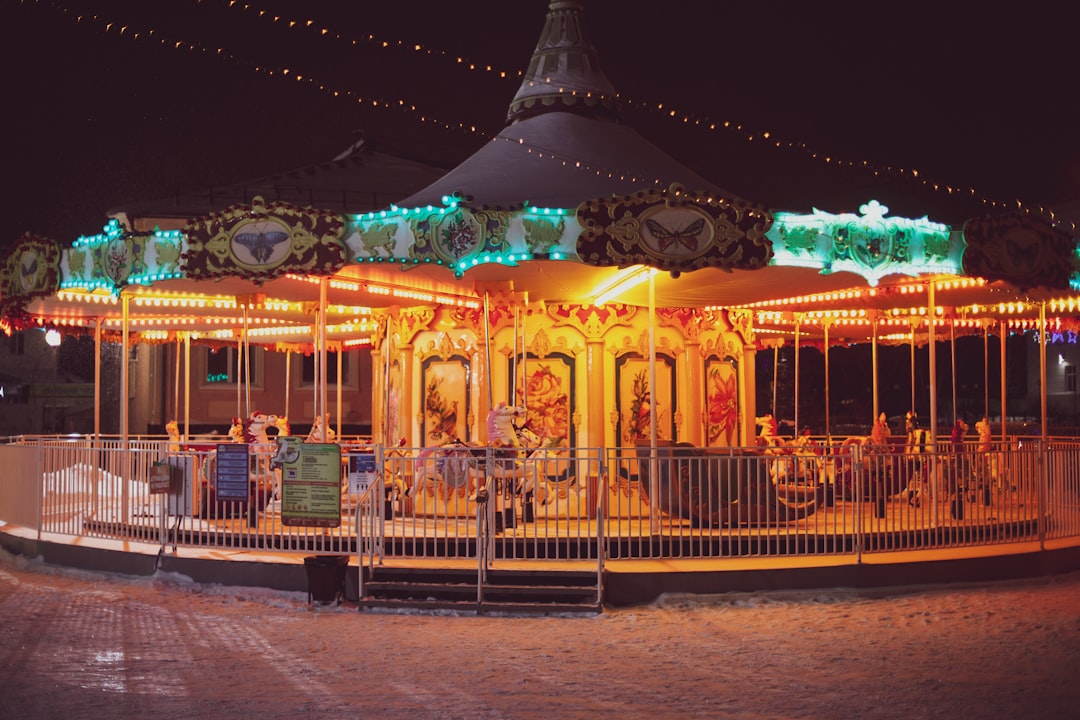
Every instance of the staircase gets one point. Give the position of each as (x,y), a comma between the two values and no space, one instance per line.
(506,591)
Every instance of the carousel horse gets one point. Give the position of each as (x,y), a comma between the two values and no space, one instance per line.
(236,430)
(315,435)
(872,461)
(988,461)
(282,425)
(262,478)
(918,443)
(459,469)
(172,429)
(769,435)
(802,460)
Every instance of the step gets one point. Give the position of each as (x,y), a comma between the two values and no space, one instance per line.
(473,608)
(454,589)
(421,590)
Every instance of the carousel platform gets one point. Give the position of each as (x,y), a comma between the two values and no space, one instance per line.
(626,582)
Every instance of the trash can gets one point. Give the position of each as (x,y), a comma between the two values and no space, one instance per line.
(326,577)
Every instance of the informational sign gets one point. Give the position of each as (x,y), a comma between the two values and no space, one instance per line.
(231,478)
(361,472)
(160,478)
(311,486)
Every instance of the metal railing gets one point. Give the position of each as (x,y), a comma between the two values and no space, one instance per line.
(581,504)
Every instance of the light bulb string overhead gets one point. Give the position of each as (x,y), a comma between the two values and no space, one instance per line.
(702,122)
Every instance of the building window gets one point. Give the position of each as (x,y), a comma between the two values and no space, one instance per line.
(308,368)
(223,366)
(1070,378)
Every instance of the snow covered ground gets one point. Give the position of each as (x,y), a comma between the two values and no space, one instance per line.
(82,645)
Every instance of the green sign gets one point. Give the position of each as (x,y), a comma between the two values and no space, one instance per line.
(311,485)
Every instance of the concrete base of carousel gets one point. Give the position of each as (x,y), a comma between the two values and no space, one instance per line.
(626,582)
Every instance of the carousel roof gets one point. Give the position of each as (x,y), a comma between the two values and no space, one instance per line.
(360,179)
(563,143)
(565,206)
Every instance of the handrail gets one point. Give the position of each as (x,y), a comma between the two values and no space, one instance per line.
(601,536)
(375,515)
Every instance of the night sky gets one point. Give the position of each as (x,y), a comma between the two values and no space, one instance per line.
(97,117)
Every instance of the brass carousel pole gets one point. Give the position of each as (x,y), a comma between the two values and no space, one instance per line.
(952,351)
(798,320)
(187,385)
(340,369)
(828,434)
(775,374)
(125,474)
(514,362)
(874,363)
(935,488)
(246,361)
(239,366)
(1004,388)
(323,400)
(912,362)
(1042,371)
(288,379)
(524,365)
(176,381)
(97,378)
(487,345)
(654,480)
(386,384)
(986,370)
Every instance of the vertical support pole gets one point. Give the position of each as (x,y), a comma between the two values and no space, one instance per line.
(952,351)
(1042,371)
(798,319)
(1004,377)
(97,378)
(874,365)
(187,386)
(323,398)
(935,486)
(828,433)
(125,473)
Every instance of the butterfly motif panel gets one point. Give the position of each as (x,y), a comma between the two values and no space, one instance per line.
(30,269)
(263,241)
(673,230)
(1020,250)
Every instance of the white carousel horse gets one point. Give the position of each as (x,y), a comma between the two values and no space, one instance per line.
(453,472)
(771,443)
(769,436)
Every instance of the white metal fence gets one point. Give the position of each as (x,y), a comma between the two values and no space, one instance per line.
(675,502)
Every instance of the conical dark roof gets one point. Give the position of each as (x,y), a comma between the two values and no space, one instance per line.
(564,72)
(563,143)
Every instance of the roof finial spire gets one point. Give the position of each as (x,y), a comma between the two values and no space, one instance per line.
(564,73)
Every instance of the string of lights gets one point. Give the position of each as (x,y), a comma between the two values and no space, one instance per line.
(705,123)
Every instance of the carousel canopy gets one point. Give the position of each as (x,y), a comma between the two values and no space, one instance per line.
(566,205)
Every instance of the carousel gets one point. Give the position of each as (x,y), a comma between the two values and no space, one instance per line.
(569,320)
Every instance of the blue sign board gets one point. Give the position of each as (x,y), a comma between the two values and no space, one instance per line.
(232,471)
